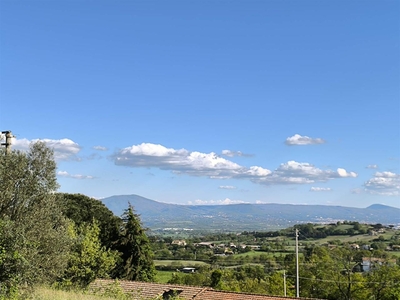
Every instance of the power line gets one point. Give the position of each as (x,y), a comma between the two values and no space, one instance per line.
(345,282)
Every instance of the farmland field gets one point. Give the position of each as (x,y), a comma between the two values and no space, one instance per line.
(164,276)
(179,263)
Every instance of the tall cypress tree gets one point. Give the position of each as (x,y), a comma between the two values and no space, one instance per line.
(137,257)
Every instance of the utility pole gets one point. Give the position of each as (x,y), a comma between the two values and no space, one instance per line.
(297,264)
(9,136)
(284,283)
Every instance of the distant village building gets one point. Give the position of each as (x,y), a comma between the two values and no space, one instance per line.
(205,244)
(366,247)
(396,247)
(368,263)
(179,242)
(355,246)
(188,270)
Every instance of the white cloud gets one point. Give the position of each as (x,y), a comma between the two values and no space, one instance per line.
(211,165)
(225,201)
(227,187)
(179,161)
(294,172)
(320,189)
(372,167)
(76,176)
(384,183)
(255,171)
(261,202)
(64,149)
(100,148)
(343,173)
(297,139)
(231,153)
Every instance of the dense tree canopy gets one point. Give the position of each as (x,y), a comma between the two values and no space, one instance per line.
(33,231)
(88,259)
(83,209)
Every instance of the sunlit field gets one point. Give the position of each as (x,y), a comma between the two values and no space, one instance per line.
(44,293)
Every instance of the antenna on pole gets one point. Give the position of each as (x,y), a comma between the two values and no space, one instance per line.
(8,136)
(297,264)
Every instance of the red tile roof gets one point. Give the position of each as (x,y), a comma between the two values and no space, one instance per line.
(148,290)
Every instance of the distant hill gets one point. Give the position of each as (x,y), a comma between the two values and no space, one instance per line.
(240,217)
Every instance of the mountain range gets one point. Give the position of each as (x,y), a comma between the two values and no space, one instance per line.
(242,217)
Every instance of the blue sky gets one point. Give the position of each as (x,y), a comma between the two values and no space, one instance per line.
(208,102)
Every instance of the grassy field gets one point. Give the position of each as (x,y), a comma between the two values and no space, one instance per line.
(44,293)
(395,253)
(344,239)
(179,263)
(258,253)
(164,276)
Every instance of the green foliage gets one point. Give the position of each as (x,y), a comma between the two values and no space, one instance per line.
(26,178)
(33,233)
(88,259)
(216,276)
(136,254)
(10,261)
(83,209)
(384,282)
(333,274)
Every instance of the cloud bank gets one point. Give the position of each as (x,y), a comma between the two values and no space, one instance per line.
(298,140)
(320,189)
(372,167)
(226,201)
(227,187)
(384,183)
(231,153)
(100,148)
(64,149)
(75,176)
(181,161)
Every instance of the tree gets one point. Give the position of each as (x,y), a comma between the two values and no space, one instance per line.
(11,261)
(216,278)
(384,282)
(83,209)
(26,178)
(137,257)
(88,259)
(28,206)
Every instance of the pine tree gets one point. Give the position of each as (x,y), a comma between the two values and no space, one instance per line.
(137,257)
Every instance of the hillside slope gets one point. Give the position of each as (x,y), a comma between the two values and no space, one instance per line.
(239,217)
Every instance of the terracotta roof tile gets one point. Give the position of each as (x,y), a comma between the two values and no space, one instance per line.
(148,290)
(223,295)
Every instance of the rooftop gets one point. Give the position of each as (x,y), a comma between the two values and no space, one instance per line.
(148,290)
